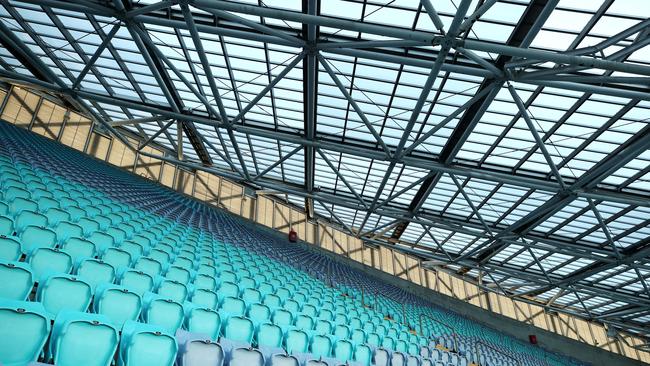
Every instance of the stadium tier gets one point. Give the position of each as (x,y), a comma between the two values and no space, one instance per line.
(99,267)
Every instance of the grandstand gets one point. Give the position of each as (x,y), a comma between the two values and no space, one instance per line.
(467,180)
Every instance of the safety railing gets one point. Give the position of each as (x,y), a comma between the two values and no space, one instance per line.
(453,331)
(477,343)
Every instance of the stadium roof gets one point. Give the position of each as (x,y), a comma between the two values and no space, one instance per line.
(507,141)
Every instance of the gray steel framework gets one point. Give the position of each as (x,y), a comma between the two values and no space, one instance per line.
(478,179)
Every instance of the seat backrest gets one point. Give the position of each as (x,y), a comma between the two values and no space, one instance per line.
(173,290)
(205,298)
(118,303)
(17,280)
(239,329)
(205,321)
(269,335)
(46,260)
(34,237)
(61,291)
(96,271)
(284,360)
(195,352)
(321,346)
(10,249)
(259,313)
(24,331)
(297,342)
(246,357)
(363,354)
(136,281)
(83,339)
(6,226)
(163,312)
(146,345)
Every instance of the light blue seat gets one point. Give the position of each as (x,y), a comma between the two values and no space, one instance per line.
(82,339)
(33,237)
(239,329)
(95,271)
(323,327)
(196,350)
(162,311)
(136,281)
(24,331)
(134,249)
(146,345)
(61,291)
(202,320)
(10,249)
(48,260)
(118,303)
(304,322)
(272,301)
(17,280)
(246,357)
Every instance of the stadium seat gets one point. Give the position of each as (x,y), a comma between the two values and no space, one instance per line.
(82,339)
(239,329)
(24,331)
(269,336)
(195,350)
(95,271)
(10,249)
(363,354)
(17,280)
(258,314)
(205,298)
(136,281)
(162,311)
(246,357)
(202,320)
(116,257)
(6,226)
(79,248)
(59,291)
(33,237)
(46,260)
(171,289)
(321,346)
(117,303)
(65,230)
(146,345)
(297,342)
(284,360)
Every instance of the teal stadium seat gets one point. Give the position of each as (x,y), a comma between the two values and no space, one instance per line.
(136,281)
(10,249)
(205,298)
(17,280)
(47,260)
(24,331)
(297,342)
(202,320)
(146,345)
(33,237)
(239,329)
(163,312)
(61,291)
(269,335)
(82,339)
(95,271)
(117,303)
(6,226)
